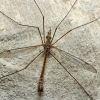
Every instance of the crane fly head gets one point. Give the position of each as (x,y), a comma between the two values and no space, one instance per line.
(47,45)
(48,37)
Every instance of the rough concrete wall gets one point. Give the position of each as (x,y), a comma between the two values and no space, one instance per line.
(83,42)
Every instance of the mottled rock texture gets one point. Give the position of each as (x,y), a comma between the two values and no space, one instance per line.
(83,42)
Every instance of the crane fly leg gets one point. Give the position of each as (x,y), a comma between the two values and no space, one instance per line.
(42,19)
(83,64)
(71,75)
(74,29)
(22,68)
(23,25)
(63,20)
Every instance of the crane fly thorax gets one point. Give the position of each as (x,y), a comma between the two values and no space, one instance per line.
(47,45)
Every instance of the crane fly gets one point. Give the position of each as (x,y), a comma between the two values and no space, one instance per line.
(48,45)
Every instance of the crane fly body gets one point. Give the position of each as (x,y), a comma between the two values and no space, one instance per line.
(47,46)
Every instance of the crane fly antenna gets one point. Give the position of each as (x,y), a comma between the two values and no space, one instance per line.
(50,29)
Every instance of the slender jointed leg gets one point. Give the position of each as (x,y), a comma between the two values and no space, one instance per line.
(23,25)
(71,75)
(63,20)
(43,20)
(81,62)
(76,28)
(22,68)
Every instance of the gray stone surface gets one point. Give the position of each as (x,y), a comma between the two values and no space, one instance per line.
(83,42)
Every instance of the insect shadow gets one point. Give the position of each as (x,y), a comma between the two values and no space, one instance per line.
(48,47)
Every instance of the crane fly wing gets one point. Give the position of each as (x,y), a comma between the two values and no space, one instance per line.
(77,61)
(22,39)
(20,56)
(13,52)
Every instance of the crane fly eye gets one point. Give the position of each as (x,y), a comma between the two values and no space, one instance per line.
(48,37)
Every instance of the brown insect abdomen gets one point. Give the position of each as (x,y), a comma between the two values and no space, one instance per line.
(40,87)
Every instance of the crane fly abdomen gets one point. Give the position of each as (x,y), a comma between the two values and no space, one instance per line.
(40,87)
